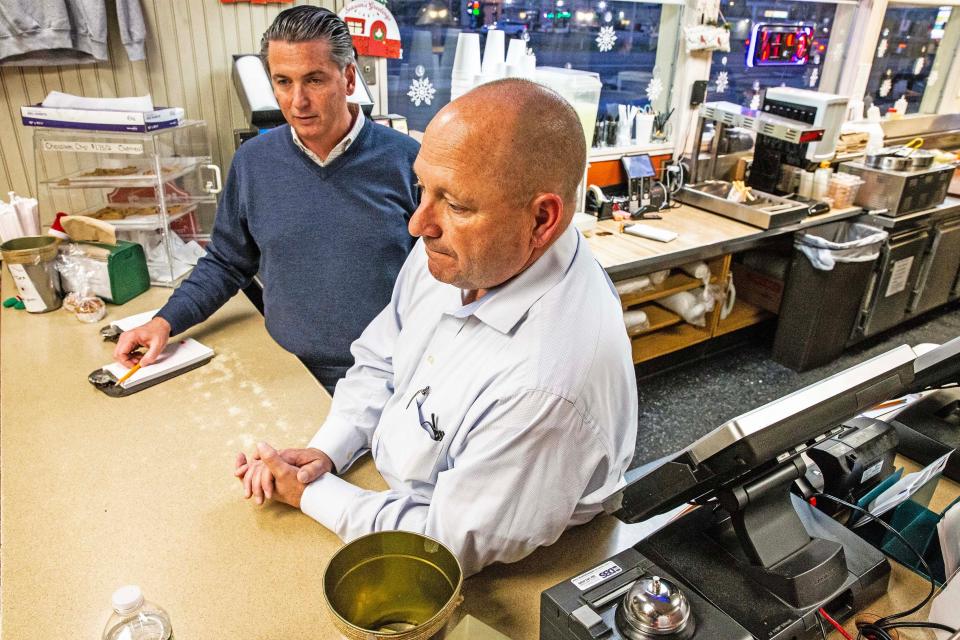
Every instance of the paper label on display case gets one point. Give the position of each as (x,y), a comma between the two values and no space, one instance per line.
(132,149)
(596,575)
(898,276)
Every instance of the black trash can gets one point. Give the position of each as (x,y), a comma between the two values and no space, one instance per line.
(825,286)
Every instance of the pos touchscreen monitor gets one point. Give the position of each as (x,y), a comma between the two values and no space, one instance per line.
(754,548)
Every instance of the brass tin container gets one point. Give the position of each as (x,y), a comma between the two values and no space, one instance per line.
(392,584)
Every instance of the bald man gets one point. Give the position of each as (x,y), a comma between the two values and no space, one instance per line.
(496,391)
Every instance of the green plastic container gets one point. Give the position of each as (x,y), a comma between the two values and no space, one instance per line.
(121,270)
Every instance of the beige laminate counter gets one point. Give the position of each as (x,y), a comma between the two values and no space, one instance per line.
(97,492)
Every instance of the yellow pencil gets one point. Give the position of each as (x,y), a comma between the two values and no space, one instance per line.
(132,371)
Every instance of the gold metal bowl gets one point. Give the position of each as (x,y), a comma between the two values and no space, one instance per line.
(392,584)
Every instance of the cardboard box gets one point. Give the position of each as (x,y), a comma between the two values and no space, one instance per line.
(759,289)
(101,119)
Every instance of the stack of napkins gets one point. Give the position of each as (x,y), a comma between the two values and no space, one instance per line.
(178,355)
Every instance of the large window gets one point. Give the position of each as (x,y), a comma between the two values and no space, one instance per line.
(631,45)
(906,62)
(774,43)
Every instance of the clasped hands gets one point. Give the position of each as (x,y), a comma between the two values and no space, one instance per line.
(280,475)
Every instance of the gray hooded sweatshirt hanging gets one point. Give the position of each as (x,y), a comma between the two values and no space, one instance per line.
(55,32)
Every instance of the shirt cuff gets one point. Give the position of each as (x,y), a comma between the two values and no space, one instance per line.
(326,498)
(339,441)
(136,50)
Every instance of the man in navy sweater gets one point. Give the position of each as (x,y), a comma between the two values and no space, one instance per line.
(319,207)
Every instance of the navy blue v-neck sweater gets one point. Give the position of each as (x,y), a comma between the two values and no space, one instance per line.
(328,242)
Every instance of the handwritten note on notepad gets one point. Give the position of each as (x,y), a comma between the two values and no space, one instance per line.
(177,355)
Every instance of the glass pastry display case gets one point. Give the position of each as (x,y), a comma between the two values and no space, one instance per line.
(157,189)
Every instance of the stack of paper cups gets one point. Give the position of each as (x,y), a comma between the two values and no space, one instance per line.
(483,78)
(516,52)
(530,64)
(466,64)
(10,227)
(644,127)
(27,212)
(493,54)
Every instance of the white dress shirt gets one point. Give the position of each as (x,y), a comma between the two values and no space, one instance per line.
(534,390)
(338,149)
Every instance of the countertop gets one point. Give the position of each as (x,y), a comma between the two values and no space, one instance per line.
(98,492)
(702,235)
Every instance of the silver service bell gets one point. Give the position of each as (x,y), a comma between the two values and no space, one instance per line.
(653,608)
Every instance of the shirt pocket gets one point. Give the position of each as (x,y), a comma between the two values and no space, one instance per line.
(410,448)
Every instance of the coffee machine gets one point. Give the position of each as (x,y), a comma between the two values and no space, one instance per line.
(824,111)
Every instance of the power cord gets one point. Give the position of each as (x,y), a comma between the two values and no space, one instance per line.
(836,625)
(877,630)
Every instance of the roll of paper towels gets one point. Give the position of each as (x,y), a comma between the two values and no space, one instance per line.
(256,84)
(636,320)
(659,277)
(686,305)
(698,270)
(633,285)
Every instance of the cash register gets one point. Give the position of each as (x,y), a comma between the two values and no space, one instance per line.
(751,560)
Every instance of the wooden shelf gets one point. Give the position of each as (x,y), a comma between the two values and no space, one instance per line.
(675,283)
(667,331)
(743,315)
(673,338)
(659,318)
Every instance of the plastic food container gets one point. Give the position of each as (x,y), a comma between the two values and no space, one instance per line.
(843,188)
(580,88)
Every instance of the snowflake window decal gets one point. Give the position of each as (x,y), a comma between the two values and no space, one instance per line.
(814,76)
(606,39)
(654,89)
(421,89)
(723,81)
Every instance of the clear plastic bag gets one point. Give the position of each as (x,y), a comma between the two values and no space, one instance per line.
(77,274)
(842,242)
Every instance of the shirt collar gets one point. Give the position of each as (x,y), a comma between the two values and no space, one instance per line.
(338,149)
(504,306)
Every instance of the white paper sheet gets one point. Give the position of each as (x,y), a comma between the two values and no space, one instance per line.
(905,487)
(137,319)
(946,608)
(948,530)
(60,100)
(177,355)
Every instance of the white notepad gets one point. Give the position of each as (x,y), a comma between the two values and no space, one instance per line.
(651,233)
(177,355)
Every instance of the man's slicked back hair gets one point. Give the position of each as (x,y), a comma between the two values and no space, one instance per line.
(306,23)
